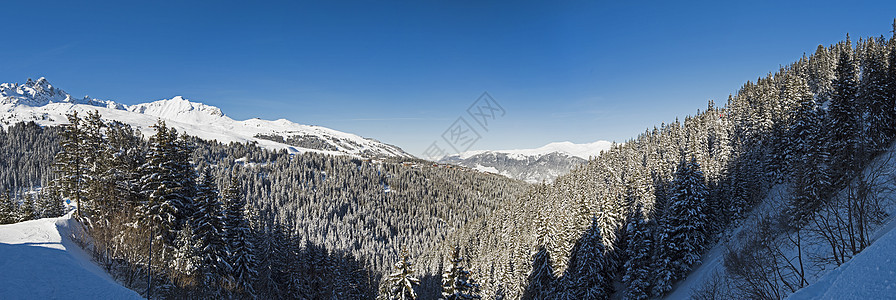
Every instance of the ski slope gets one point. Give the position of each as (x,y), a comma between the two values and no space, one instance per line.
(38,260)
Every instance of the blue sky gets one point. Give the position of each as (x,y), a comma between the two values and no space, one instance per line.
(402,72)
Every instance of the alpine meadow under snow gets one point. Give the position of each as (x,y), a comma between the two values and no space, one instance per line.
(788,189)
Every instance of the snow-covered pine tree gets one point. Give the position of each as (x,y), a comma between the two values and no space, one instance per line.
(26,211)
(69,162)
(541,279)
(96,187)
(808,164)
(881,115)
(165,190)
(49,204)
(456,281)
(843,118)
(890,89)
(589,273)
(186,262)
(241,259)
(402,281)
(209,233)
(639,253)
(683,235)
(124,154)
(8,208)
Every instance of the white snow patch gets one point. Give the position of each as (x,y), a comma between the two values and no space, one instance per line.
(38,260)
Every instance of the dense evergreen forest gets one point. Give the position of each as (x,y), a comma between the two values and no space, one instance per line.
(206,219)
(641,214)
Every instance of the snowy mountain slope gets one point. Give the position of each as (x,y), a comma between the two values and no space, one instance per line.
(47,105)
(871,274)
(532,165)
(39,261)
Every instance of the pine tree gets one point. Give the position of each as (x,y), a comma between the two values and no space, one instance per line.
(639,251)
(93,144)
(208,221)
(26,211)
(186,262)
(588,270)
(456,281)
(541,279)
(165,188)
(402,281)
(69,162)
(241,259)
(809,161)
(873,94)
(684,229)
(49,204)
(8,211)
(844,117)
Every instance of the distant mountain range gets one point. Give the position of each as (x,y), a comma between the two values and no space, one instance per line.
(41,102)
(531,165)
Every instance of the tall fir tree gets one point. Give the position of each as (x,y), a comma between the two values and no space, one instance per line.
(240,258)
(541,279)
(209,233)
(844,117)
(165,189)
(8,208)
(684,227)
(69,162)
(456,281)
(589,273)
(874,96)
(639,253)
(402,281)
(809,162)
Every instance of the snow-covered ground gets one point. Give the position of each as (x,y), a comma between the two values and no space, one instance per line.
(39,260)
(871,274)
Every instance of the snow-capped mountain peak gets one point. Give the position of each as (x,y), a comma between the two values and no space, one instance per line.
(532,165)
(583,151)
(40,92)
(45,104)
(178,108)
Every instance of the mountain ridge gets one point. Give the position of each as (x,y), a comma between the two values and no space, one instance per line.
(542,164)
(41,102)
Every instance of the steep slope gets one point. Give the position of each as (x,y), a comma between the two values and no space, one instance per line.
(532,165)
(47,105)
(40,261)
(871,274)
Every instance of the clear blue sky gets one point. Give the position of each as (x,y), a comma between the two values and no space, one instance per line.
(403,72)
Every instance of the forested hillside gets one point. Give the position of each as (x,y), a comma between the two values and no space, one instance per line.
(269,219)
(642,214)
